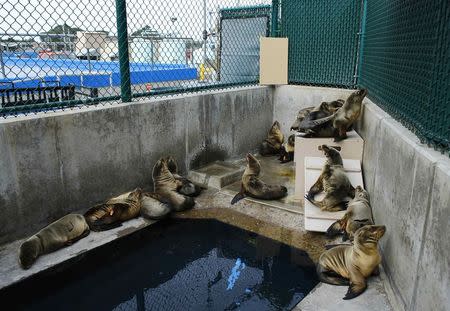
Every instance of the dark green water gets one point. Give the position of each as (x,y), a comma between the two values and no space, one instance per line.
(175,265)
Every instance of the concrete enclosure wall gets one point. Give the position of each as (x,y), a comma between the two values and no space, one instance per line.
(409,185)
(56,163)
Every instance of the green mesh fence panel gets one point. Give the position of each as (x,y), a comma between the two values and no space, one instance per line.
(56,54)
(323,40)
(405,64)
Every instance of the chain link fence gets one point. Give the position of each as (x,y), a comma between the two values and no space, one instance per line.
(406,64)
(69,53)
(62,53)
(323,41)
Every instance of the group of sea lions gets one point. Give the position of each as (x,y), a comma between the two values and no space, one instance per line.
(341,264)
(330,119)
(171,193)
(346,264)
(274,144)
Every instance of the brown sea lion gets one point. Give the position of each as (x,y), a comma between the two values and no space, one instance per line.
(272,144)
(352,264)
(185,186)
(333,181)
(344,117)
(358,215)
(252,186)
(65,231)
(287,150)
(166,186)
(300,116)
(112,213)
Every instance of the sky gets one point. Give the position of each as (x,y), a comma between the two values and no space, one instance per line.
(34,16)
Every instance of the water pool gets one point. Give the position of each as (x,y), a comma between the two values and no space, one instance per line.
(175,265)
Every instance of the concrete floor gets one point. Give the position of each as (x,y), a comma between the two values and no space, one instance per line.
(270,219)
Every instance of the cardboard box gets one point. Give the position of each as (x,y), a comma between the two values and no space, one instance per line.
(273,61)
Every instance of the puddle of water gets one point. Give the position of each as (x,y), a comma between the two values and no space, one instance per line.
(179,264)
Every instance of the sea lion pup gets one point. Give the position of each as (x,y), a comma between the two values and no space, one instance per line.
(287,150)
(352,264)
(65,231)
(154,206)
(345,116)
(185,186)
(112,213)
(252,186)
(358,215)
(300,116)
(333,181)
(165,186)
(272,144)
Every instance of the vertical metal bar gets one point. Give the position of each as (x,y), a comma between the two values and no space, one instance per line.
(124,61)
(205,33)
(275,11)
(362,35)
(2,64)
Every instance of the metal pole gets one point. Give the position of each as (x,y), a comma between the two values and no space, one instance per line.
(2,63)
(274,28)
(362,35)
(124,60)
(205,33)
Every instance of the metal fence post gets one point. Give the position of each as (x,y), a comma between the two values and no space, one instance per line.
(124,58)
(2,63)
(362,35)
(274,25)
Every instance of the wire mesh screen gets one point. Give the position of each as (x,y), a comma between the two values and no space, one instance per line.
(323,40)
(406,64)
(63,53)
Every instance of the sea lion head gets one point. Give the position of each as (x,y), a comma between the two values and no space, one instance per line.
(332,154)
(29,251)
(357,96)
(159,168)
(171,164)
(253,165)
(275,127)
(301,115)
(291,140)
(369,235)
(275,132)
(336,104)
(360,193)
(135,195)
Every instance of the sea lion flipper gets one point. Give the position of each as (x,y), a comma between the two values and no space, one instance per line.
(357,285)
(335,229)
(330,277)
(237,197)
(83,235)
(309,124)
